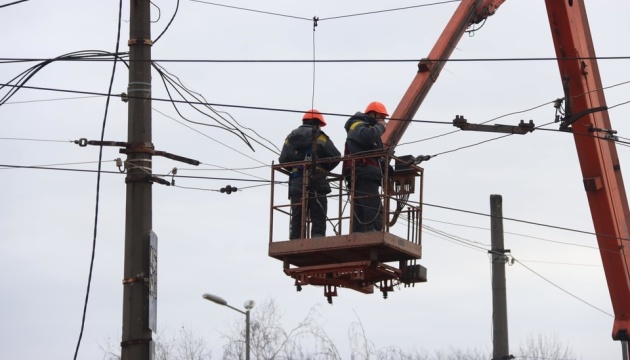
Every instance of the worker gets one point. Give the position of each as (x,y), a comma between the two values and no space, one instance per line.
(298,146)
(364,132)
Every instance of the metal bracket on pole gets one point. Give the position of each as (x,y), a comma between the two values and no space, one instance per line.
(567,121)
(144,148)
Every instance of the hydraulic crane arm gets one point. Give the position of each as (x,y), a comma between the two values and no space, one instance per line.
(468,12)
(598,157)
(586,114)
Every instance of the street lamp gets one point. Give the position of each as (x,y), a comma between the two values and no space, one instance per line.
(249,304)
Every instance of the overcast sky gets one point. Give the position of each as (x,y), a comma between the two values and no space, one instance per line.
(217,243)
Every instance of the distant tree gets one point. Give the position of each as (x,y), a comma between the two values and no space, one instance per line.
(182,346)
(308,341)
(364,349)
(545,347)
(269,340)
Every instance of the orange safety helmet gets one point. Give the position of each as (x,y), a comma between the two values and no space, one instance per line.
(377,107)
(314,114)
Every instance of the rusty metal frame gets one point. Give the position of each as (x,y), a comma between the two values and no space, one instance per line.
(354,260)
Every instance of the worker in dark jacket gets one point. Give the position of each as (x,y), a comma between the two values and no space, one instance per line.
(299,146)
(364,136)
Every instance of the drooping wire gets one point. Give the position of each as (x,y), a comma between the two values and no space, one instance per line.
(167,25)
(159,13)
(19,81)
(208,136)
(224,123)
(180,83)
(98,185)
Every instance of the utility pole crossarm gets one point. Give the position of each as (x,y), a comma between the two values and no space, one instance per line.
(521,129)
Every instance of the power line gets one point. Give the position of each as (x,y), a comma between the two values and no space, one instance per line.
(35,167)
(58,164)
(328,18)
(252,10)
(98,185)
(221,168)
(521,221)
(13,3)
(43,100)
(7,60)
(167,25)
(471,244)
(560,263)
(561,289)
(27,139)
(389,10)
(513,233)
(247,107)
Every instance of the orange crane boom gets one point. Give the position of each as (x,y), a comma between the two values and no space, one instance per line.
(468,12)
(585,102)
(598,157)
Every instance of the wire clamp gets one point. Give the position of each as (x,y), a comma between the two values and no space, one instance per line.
(228,189)
(315,20)
(82,142)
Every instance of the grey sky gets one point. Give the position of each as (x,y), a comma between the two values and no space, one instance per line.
(212,242)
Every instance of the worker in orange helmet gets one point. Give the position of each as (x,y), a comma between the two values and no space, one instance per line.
(364,132)
(303,144)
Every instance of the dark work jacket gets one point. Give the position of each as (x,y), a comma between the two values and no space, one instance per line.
(363,137)
(297,145)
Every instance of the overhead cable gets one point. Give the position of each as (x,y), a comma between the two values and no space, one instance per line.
(252,10)
(523,221)
(13,3)
(34,167)
(8,60)
(167,25)
(561,289)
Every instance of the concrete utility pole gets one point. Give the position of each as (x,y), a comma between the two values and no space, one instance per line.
(500,341)
(140,256)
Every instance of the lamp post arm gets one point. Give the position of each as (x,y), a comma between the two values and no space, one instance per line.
(235,309)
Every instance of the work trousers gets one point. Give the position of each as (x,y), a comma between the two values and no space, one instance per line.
(368,210)
(316,207)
